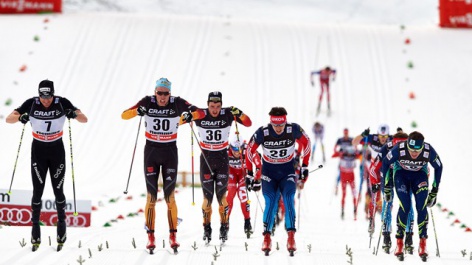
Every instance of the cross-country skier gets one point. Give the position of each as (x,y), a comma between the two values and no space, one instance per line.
(47,114)
(326,75)
(347,164)
(341,144)
(410,175)
(237,182)
(278,140)
(377,185)
(318,132)
(162,115)
(214,128)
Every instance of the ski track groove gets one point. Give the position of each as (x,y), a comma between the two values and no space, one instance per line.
(198,58)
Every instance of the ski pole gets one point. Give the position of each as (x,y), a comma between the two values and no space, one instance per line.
(193,171)
(364,148)
(319,167)
(72,168)
(384,213)
(240,154)
(16,160)
(201,149)
(132,159)
(435,235)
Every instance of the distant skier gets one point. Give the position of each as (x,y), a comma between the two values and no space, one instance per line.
(410,163)
(341,144)
(278,173)
(214,129)
(237,182)
(318,131)
(162,115)
(47,114)
(326,76)
(347,163)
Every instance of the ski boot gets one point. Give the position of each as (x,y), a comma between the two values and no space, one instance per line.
(409,243)
(207,233)
(387,243)
(36,243)
(248,227)
(267,243)
(291,246)
(173,241)
(422,249)
(371,228)
(224,228)
(151,242)
(342,214)
(355,213)
(35,236)
(60,242)
(399,249)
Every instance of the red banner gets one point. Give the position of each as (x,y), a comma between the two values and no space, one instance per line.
(30,6)
(455,13)
(20,215)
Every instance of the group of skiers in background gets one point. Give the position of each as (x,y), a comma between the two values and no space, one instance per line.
(232,166)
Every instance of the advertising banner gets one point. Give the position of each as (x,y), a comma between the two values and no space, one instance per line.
(30,6)
(15,209)
(455,13)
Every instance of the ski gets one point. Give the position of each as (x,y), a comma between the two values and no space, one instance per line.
(59,246)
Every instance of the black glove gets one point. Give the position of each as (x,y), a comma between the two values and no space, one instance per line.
(70,114)
(255,185)
(366,132)
(388,194)
(431,201)
(141,111)
(24,118)
(304,173)
(236,112)
(375,188)
(187,116)
(249,178)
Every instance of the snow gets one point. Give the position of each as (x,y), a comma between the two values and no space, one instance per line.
(105,55)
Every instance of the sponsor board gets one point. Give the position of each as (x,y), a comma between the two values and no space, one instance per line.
(15,209)
(30,6)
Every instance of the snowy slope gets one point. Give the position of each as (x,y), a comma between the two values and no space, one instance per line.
(105,62)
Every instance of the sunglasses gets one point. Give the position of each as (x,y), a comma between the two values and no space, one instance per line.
(235,148)
(278,125)
(45,97)
(162,93)
(214,99)
(383,136)
(414,150)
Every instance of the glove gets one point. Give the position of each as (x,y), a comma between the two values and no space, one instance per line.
(431,201)
(366,132)
(187,116)
(24,118)
(70,114)
(304,173)
(375,188)
(141,111)
(388,194)
(249,178)
(236,112)
(256,185)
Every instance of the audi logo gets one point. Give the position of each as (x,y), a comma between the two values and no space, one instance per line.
(71,220)
(15,215)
